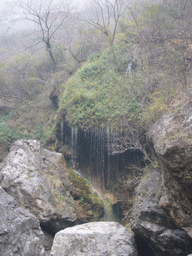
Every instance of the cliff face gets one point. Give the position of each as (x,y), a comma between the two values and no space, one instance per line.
(152,226)
(19,230)
(171,139)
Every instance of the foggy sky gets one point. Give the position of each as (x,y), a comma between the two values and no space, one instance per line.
(9,13)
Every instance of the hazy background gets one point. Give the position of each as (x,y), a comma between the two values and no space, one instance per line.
(11,15)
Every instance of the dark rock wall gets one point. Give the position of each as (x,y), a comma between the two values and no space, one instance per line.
(154,229)
(171,139)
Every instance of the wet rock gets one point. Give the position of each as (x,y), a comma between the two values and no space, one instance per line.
(152,225)
(171,139)
(39,181)
(20,233)
(96,239)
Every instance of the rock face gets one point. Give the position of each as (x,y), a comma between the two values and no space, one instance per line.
(152,226)
(171,138)
(96,239)
(20,233)
(39,181)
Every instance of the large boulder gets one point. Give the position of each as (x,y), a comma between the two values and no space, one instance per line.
(96,239)
(150,223)
(20,233)
(171,139)
(40,181)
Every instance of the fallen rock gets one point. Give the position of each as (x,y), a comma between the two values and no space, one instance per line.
(40,181)
(96,239)
(20,233)
(171,139)
(150,223)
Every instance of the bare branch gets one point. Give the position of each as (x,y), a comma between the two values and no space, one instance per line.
(106,16)
(48,19)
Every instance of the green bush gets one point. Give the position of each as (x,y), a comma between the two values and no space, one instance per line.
(7,135)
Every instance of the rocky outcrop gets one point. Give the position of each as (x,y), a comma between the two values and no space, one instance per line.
(97,238)
(20,233)
(152,226)
(171,139)
(40,182)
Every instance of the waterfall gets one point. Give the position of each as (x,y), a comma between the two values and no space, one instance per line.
(92,148)
(75,138)
(62,133)
(108,156)
(90,153)
(72,139)
(109,215)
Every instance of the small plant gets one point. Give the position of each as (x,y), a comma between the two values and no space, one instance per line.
(82,201)
(155,164)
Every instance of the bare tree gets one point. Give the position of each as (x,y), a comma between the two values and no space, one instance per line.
(180,12)
(105,15)
(127,137)
(48,17)
(179,9)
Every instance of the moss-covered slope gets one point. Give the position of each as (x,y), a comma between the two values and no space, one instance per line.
(100,94)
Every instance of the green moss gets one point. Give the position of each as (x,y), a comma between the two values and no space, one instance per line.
(87,196)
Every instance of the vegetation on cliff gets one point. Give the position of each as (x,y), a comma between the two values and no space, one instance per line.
(87,198)
(99,95)
(120,66)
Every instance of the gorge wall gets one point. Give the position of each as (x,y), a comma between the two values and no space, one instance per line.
(162,213)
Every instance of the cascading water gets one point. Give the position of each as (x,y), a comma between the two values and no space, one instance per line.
(62,133)
(108,154)
(109,215)
(90,150)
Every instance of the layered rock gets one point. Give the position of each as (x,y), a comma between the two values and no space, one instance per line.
(171,138)
(152,226)
(20,233)
(96,238)
(40,182)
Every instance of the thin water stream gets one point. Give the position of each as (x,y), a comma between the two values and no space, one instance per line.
(109,215)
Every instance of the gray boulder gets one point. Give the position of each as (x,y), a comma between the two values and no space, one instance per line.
(94,239)
(28,175)
(150,223)
(20,233)
(40,181)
